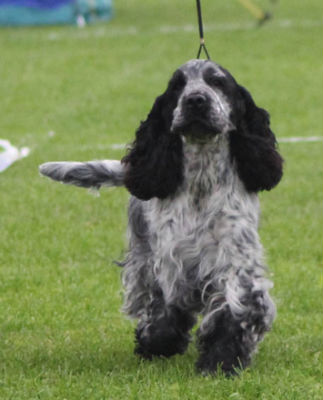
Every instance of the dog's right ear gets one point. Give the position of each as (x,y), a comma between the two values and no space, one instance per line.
(154,163)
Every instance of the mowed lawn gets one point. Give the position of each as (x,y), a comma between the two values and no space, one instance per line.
(70,94)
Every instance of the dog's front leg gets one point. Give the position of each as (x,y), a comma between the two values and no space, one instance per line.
(164,330)
(233,326)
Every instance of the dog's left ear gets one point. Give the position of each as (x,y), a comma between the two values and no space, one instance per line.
(154,163)
(253,146)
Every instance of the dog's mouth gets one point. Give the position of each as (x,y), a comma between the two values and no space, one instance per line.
(197,130)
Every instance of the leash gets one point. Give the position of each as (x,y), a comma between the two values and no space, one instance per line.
(202,41)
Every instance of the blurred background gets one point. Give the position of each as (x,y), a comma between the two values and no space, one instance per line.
(61,78)
(53,12)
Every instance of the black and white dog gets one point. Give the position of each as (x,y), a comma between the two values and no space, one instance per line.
(194,171)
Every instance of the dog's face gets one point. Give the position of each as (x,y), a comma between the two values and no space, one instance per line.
(204,100)
(201,102)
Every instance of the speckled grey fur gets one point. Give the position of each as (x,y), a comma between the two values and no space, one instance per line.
(201,247)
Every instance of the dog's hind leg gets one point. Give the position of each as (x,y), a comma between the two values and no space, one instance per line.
(137,275)
(232,327)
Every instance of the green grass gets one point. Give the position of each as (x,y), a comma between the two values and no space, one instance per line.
(61,332)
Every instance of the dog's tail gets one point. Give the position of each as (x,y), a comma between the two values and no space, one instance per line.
(92,174)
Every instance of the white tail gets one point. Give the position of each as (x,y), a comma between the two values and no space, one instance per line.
(92,174)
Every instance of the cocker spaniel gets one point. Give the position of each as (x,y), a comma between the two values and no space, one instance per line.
(194,171)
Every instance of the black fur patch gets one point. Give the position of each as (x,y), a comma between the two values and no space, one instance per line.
(164,335)
(223,346)
(253,147)
(155,160)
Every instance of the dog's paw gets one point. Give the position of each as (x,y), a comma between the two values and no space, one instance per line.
(226,356)
(152,341)
(210,366)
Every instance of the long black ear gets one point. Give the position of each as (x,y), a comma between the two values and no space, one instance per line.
(254,148)
(154,164)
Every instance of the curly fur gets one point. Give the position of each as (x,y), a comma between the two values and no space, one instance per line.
(194,171)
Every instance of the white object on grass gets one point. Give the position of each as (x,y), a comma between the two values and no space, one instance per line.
(10,154)
(299,139)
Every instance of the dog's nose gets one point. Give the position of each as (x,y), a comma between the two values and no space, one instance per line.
(196,101)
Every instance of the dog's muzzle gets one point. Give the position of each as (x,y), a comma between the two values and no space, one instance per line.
(201,115)
(196,103)
(194,119)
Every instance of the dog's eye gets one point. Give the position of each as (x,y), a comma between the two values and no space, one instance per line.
(216,81)
(178,81)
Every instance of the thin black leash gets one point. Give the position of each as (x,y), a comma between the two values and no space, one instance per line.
(202,41)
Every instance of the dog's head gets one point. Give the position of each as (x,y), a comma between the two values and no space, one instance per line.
(204,104)
(202,101)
